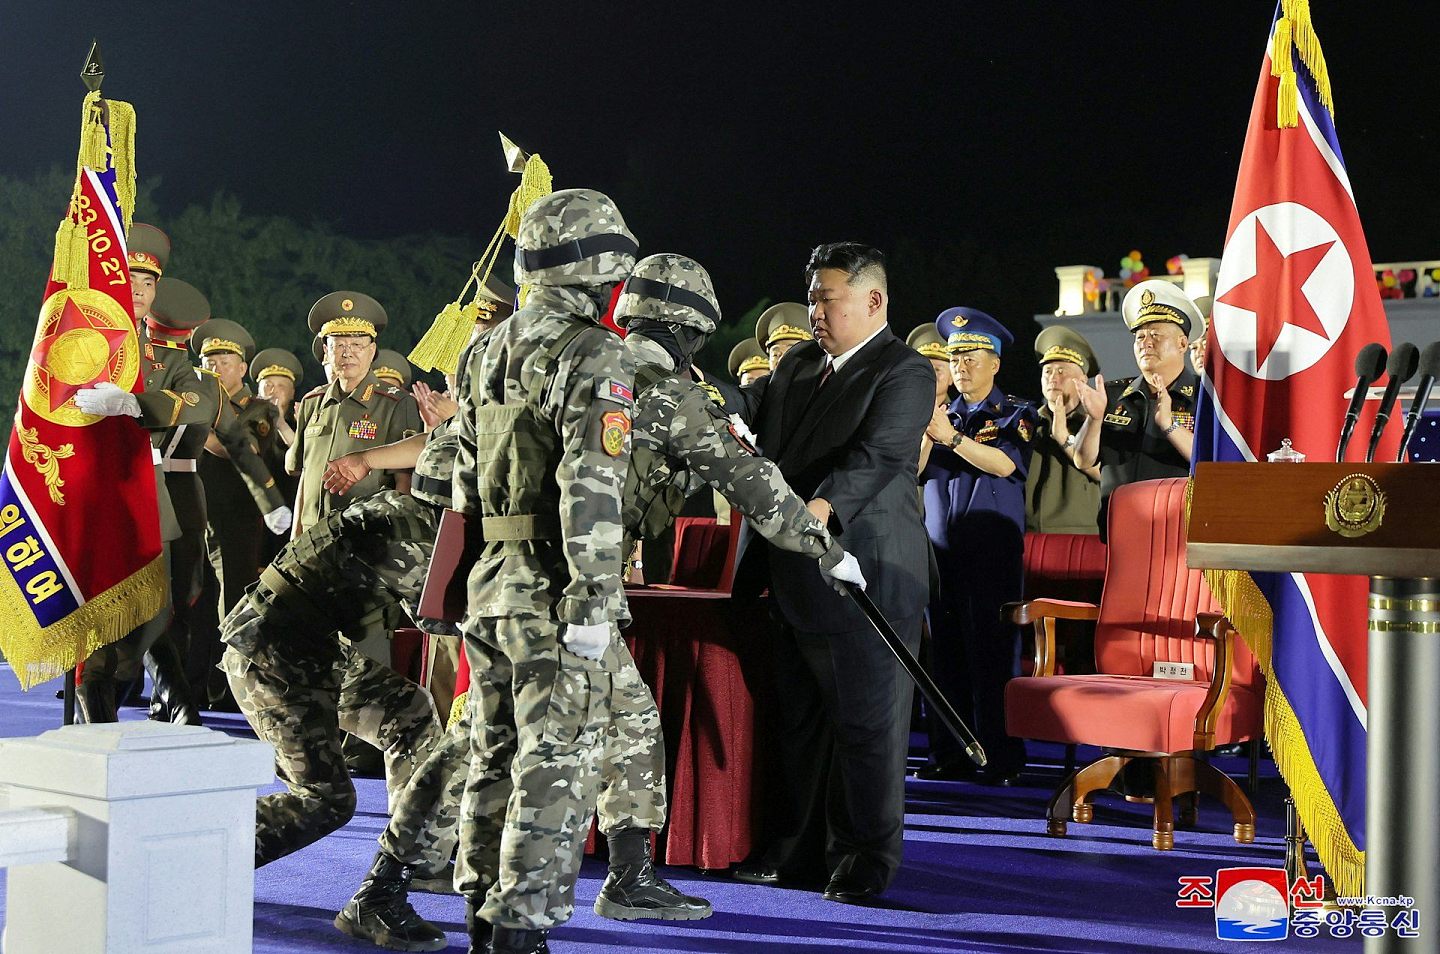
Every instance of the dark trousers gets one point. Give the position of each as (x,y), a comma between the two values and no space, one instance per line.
(973,654)
(843,723)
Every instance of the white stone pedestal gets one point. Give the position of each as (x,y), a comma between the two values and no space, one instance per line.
(164,840)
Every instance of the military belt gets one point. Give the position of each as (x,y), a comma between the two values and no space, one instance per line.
(525,526)
(181,465)
(290,597)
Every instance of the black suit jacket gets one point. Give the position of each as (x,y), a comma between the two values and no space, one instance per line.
(856,443)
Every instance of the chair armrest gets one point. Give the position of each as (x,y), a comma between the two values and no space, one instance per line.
(1042,614)
(1032,610)
(1219,630)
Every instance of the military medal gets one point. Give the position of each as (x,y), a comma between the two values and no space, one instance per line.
(987,433)
(614,425)
(364,429)
(1023,426)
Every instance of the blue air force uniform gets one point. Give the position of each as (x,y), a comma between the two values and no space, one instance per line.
(976,523)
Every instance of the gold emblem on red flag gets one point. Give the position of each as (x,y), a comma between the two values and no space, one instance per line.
(84,337)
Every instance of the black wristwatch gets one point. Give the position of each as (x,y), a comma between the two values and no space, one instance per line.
(955,441)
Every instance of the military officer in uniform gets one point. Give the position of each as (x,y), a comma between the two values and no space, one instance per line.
(974,487)
(180,661)
(393,368)
(1059,496)
(780,328)
(928,342)
(1144,429)
(277,374)
(747,362)
(236,538)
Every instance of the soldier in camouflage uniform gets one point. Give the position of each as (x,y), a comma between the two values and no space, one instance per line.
(544,445)
(300,686)
(681,441)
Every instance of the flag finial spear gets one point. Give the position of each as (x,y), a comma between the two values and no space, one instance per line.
(93,73)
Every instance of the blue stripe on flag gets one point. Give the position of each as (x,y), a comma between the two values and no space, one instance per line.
(29,562)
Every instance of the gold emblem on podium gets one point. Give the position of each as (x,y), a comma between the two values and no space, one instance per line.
(1355,507)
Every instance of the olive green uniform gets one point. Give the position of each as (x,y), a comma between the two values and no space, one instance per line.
(1059,497)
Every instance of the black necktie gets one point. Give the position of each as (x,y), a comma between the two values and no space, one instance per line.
(825,375)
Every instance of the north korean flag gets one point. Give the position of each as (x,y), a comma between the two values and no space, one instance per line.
(1295,302)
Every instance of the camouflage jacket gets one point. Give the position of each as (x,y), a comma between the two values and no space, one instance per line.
(544,427)
(677,420)
(433,479)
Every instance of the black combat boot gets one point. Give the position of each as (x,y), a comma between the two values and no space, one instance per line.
(95,698)
(633,889)
(381,913)
(478,930)
(513,941)
(170,697)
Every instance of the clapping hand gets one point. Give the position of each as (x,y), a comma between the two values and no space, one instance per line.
(1092,399)
(940,430)
(436,407)
(1163,417)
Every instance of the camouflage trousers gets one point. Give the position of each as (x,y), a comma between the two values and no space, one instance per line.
(425,823)
(540,716)
(300,685)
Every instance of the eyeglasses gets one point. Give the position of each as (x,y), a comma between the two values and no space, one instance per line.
(339,346)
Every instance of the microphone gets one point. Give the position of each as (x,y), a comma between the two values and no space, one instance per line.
(1429,371)
(1401,368)
(1369,365)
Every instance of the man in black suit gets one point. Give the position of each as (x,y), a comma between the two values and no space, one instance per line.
(842,416)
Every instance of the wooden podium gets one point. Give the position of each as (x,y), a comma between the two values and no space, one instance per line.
(1381,521)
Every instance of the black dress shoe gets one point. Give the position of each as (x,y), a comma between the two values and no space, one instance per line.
(756,872)
(848,889)
(947,770)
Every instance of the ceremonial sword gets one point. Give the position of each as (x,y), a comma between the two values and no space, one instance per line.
(927,686)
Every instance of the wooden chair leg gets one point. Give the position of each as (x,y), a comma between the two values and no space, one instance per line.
(1070,760)
(1164,834)
(1069,799)
(1211,781)
(1254,778)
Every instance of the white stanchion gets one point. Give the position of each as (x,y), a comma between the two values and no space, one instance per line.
(159,825)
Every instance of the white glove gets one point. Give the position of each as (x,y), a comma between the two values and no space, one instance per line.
(279,519)
(742,430)
(846,571)
(107,400)
(589,640)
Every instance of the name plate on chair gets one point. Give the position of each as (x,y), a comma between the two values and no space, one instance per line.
(1174,670)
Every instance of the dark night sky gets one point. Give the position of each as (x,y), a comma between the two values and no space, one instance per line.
(1065,133)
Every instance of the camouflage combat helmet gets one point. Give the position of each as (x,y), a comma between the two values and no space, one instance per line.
(669,288)
(573,237)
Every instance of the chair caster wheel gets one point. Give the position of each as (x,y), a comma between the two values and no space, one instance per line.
(1163,840)
(1244,833)
(1056,827)
(1082,812)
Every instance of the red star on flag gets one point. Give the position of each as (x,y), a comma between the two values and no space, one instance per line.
(1274,292)
(73,318)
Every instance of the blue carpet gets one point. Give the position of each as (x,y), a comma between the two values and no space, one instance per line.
(979,875)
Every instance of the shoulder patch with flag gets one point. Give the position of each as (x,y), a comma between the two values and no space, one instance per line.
(608,389)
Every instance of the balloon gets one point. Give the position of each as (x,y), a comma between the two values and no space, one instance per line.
(1435,274)
(1184,257)
(1135,254)
(1389,279)
(1125,273)
(1408,275)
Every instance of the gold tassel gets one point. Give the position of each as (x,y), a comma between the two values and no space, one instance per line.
(1287,101)
(535,184)
(1307,45)
(92,134)
(72,255)
(122,152)
(1281,47)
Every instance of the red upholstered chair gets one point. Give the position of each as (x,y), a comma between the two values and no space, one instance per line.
(1067,566)
(1153,609)
(703,552)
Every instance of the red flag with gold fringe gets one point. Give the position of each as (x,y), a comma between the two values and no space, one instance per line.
(79,522)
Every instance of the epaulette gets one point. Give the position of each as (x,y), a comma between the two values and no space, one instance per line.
(314,392)
(391,392)
(1019,402)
